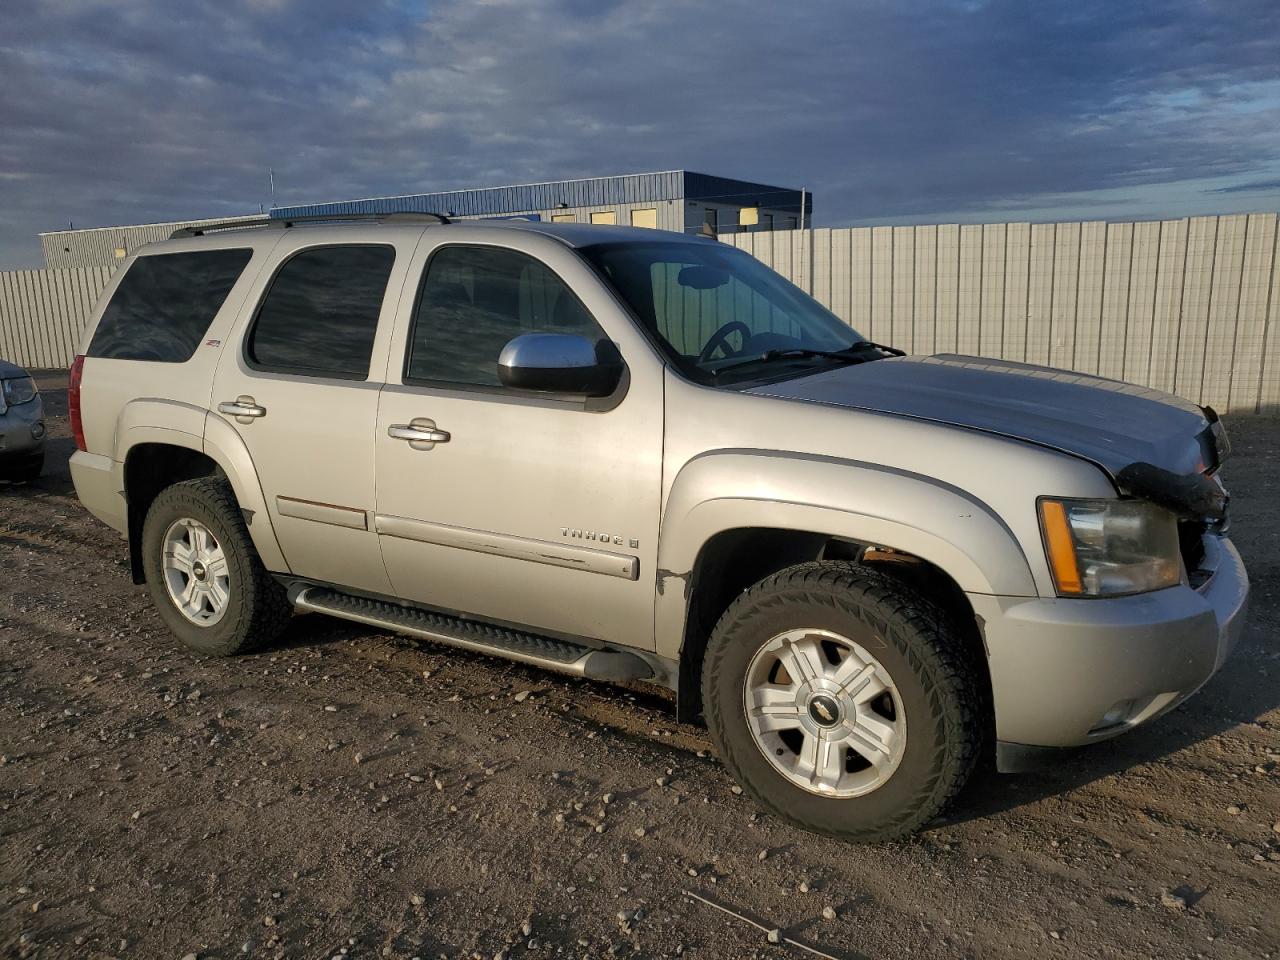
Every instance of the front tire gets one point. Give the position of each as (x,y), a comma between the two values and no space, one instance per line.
(842,701)
(203,573)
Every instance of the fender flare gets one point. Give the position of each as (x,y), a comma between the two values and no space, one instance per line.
(152,420)
(185,425)
(228,450)
(736,489)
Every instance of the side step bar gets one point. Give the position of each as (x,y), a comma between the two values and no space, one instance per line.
(557,655)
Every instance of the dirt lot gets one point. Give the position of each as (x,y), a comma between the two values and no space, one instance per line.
(353,793)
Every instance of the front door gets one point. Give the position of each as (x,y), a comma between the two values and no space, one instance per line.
(517,507)
(299,383)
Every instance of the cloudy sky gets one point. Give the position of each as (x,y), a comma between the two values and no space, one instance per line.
(890,112)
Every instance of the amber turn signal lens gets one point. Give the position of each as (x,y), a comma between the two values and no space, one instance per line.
(1061,548)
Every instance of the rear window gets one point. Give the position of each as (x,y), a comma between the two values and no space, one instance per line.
(164,305)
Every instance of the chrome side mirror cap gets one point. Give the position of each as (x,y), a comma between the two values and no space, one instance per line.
(560,363)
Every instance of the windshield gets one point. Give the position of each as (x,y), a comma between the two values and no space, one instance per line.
(711,307)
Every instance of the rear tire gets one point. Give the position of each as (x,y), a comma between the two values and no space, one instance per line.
(882,725)
(203,573)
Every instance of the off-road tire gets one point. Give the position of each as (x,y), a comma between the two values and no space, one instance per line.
(257,608)
(940,685)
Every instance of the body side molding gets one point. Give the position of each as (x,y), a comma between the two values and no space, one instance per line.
(330,513)
(504,545)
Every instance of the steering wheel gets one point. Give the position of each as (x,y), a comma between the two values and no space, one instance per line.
(719,339)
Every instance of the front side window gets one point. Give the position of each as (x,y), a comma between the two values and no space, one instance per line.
(711,307)
(164,305)
(474,300)
(320,316)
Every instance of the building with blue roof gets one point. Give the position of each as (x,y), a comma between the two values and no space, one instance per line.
(678,200)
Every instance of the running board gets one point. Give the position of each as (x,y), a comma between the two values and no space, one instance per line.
(538,651)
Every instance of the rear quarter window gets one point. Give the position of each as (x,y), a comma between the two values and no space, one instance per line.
(165,303)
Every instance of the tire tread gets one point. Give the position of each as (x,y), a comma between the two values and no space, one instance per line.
(943,664)
(262,615)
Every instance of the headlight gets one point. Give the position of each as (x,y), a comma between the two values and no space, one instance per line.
(1107,548)
(19,390)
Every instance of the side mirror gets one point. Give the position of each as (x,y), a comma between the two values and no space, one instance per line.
(560,363)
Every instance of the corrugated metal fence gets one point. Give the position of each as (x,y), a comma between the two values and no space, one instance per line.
(43,312)
(1190,306)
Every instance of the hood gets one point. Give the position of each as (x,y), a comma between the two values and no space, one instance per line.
(1141,437)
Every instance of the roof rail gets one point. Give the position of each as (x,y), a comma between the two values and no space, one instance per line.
(284,223)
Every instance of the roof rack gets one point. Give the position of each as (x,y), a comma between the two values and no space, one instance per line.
(284,223)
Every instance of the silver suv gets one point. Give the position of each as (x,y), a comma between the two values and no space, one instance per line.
(638,456)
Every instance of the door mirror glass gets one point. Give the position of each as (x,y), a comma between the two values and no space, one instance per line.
(560,363)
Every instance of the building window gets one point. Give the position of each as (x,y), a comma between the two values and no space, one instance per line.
(604,216)
(766,222)
(564,218)
(647,217)
(711,219)
(791,223)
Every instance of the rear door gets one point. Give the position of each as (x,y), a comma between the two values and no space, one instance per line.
(299,384)
(537,510)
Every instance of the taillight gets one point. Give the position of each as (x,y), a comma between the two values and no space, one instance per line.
(73,401)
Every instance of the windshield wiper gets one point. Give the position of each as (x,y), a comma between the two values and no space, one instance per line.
(854,353)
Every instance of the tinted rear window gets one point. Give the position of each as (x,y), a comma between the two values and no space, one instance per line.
(321,314)
(164,305)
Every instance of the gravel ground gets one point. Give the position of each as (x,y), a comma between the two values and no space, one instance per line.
(353,793)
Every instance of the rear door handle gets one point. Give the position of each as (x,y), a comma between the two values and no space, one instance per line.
(421,433)
(243,408)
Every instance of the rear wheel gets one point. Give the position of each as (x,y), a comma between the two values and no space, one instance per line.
(842,701)
(203,573)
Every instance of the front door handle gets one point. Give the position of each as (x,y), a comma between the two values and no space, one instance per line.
(243,408)
(421,433)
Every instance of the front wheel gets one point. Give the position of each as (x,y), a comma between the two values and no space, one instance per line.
(842,701)
(204,574)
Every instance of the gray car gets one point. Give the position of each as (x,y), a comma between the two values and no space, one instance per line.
(22,428)
(632,455)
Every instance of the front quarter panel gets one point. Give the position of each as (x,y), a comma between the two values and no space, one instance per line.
(734,489)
